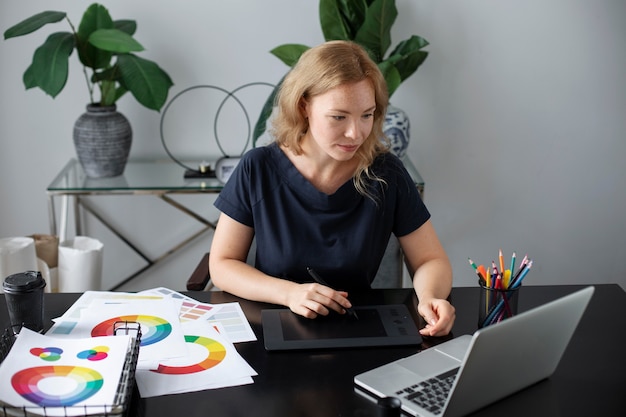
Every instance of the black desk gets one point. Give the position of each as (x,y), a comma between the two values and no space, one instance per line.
(590,380)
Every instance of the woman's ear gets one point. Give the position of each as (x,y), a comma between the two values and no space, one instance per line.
(303,106)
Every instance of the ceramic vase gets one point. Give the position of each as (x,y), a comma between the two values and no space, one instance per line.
(397,129)
(102,138)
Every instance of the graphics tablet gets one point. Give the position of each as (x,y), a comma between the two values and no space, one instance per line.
(378,325)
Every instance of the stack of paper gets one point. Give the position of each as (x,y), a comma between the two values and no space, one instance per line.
(63,375)
(186,345)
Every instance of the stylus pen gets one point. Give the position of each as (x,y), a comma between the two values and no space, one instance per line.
(321,281)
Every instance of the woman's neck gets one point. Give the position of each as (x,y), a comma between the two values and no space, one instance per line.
(324,173)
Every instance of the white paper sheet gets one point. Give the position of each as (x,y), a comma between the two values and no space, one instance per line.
(162,335)
(72,314)
(191,309)
(212,362)
(235,323)
(55,373)
(230,315)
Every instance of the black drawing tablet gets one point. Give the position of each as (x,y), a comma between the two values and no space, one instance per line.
(378,325)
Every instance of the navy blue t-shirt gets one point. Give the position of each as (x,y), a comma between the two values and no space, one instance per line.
(342,236)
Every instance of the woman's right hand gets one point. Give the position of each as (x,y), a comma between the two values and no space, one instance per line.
(311,300)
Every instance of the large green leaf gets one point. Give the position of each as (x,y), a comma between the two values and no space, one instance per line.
(332,22)
(375,34)
(95,17)
(289,53)
(33,23)
(148,83)
(261,124)
(29,78)
(407,56)
(114,40)
(128,26)
(353,13)
(49,69)
(341,19)
(392,76)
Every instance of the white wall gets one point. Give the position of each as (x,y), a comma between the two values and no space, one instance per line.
(518,124)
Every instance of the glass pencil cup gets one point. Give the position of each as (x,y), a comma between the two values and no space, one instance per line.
(495,305)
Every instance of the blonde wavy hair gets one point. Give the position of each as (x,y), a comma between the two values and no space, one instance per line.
(319,70)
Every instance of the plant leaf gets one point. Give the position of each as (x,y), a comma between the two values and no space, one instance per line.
(107,93)
(119,92)
(261,124)
(95,17)
(33,23)
(289,53)
(392,76)
(147,82)
(341,19)
(332,22)
(375,33)
(114,40)
(49,69)
(128,26)
(407,56)
(29,78)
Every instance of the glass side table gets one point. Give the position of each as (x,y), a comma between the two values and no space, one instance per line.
(157,178)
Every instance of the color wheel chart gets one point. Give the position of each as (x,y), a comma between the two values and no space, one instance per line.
(42,385)
(216,354)
(153,329)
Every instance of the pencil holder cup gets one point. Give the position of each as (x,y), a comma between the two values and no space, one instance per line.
(495,305)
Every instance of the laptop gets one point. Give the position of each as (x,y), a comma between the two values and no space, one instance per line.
(472,371)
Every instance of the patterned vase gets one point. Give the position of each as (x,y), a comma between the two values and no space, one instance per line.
(397,129)
(102,138)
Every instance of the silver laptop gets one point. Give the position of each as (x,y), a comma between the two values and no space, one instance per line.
(464,374)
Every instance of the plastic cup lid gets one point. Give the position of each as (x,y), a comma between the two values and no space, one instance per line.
(23,282)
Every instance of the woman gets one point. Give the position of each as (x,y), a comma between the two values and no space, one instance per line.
(327,195)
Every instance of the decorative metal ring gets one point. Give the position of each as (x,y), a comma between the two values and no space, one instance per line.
(229,94)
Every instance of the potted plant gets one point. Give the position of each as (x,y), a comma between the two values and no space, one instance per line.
(102,135)
(368,23)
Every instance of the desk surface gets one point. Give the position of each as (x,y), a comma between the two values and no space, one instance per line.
(590,380)
(152,176)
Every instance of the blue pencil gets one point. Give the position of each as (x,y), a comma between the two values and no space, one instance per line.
(512,264)
(490,319)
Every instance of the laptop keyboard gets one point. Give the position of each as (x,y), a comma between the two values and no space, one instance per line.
(431,394)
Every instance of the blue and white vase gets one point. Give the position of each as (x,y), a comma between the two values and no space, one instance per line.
(397,129)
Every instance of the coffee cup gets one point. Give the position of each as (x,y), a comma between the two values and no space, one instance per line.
(23,293)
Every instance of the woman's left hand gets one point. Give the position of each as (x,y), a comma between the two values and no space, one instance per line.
(439,315)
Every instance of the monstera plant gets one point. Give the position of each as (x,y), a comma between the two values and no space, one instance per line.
(368,23)
(107,51)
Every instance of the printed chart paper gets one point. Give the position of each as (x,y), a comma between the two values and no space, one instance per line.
(161,338)
(212,362)
(64,324)
(235,323)
(230,315)
(44,371)
(191,309)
